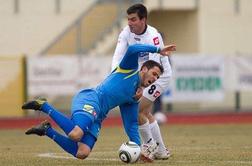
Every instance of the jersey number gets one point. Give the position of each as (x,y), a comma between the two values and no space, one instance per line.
(152,89)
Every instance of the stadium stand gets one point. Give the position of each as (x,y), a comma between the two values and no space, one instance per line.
(33,24)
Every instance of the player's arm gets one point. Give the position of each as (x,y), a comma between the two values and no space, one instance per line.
(129,114)
(164,60)
(130,59)
(167,50)
(120,50)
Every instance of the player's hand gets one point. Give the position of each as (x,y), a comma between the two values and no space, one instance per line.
(139,93)
(167,50)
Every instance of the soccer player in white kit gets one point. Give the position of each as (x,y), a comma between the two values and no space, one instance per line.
(138,31)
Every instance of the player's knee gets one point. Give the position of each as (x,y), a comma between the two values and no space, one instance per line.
(74,137)
(142,119)
(83,151)
(81,155)
(76,134)
(149,116)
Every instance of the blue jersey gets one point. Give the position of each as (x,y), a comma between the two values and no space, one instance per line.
(119,88)
(121,85)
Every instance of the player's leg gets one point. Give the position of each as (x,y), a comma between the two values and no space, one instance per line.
(64,142)
(83,113)
(163,153)
(85,146)
(82,121)
(144,128)
(78,149)
(145,108)
(149,95)
(42,105)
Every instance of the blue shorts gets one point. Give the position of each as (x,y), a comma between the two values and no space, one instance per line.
(85,110)
(86,101)
(89,140)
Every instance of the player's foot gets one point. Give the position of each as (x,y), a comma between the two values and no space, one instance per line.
(39,129)
(34,104)
(145,158)
(148,151)
(164,155)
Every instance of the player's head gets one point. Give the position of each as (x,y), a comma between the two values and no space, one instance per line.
(137,17)
(150,72)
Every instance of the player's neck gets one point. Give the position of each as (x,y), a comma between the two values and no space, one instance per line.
(144,30)
(141,77)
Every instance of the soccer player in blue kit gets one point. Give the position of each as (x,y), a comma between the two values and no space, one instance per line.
(90,106)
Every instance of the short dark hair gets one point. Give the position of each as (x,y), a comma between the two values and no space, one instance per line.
(150,64)
(138,8)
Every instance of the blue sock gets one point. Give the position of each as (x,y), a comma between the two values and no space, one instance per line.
(62,120)
(64,142)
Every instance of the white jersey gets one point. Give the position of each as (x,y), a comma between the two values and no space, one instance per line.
(150,36)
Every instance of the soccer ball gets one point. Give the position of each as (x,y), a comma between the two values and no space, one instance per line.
(129,152)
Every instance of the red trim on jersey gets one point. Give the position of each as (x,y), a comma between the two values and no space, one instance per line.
(156,41)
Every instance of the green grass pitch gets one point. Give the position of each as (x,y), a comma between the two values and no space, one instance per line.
(191,145)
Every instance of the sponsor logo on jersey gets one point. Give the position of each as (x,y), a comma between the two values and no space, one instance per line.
(155,41)
(89,109)
(137,39)
(156,94)
(143,56)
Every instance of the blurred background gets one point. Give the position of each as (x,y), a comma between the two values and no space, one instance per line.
(52,48)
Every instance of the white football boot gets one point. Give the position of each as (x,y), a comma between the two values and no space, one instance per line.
(148,151)
(162,155)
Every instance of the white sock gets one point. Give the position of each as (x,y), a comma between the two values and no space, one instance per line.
(155,131)
(145,132)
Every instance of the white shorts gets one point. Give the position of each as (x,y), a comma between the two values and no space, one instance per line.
(157,88)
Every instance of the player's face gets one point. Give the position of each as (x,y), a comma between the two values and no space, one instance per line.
(150,76)
(136,24)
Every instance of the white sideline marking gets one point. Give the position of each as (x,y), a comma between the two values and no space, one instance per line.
(55,155)
(61,156)
(64,156)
